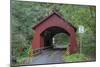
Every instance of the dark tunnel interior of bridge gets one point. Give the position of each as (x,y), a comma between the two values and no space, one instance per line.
(49,33)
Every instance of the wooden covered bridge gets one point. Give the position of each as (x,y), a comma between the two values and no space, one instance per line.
(50,26)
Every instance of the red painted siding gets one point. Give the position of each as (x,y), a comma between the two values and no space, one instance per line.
(54,21)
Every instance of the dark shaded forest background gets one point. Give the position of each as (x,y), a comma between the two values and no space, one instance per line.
(25,15)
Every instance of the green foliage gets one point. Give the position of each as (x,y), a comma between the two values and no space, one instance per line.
(61,39)
(89,44)
(75,58)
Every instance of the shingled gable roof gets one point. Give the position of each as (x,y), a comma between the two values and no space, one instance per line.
(54,13)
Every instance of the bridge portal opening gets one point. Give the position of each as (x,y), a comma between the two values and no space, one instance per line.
(55,37)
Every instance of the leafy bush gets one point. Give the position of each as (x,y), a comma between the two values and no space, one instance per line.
(61,39)
(75,58)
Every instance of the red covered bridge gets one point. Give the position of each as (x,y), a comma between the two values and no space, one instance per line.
(50,26)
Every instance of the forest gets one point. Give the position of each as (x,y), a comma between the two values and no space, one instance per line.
(25,15)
